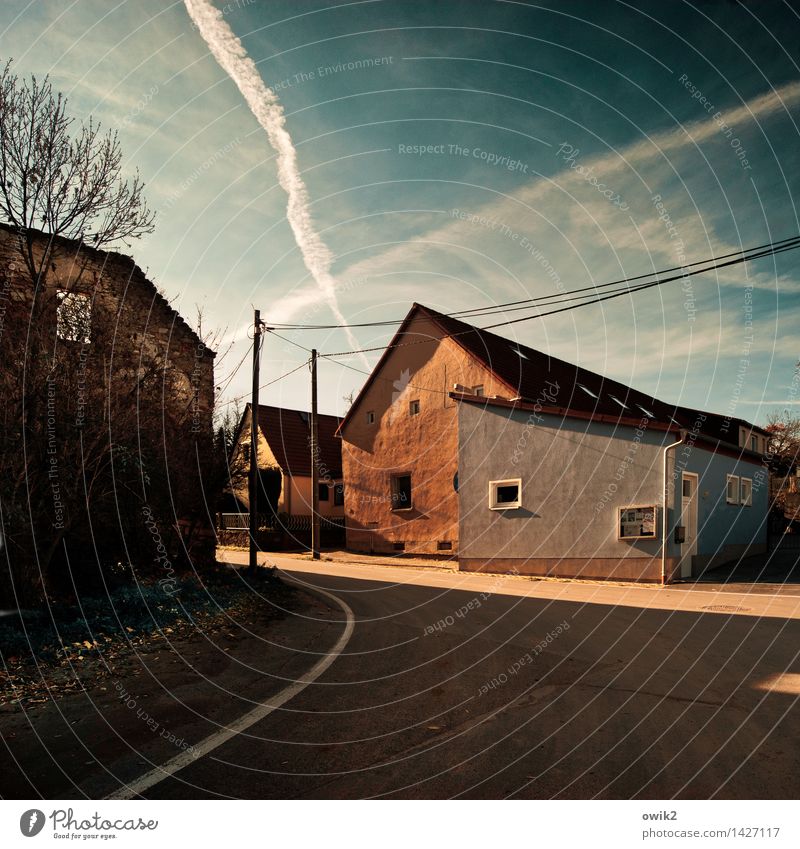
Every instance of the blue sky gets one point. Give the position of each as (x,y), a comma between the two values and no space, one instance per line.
(685,115)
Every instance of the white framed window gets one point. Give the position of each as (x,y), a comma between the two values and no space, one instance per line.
(505,495)
(732,491)
(370,417)
(637,522)
(746,492)
(413,408)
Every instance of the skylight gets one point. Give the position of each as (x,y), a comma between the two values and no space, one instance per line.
(587,390)
(518,352)
(648,413)
(614,398)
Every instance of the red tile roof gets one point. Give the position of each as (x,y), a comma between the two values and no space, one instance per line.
(288,435)
(530,375)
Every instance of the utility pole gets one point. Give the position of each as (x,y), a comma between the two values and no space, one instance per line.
(253,477)
(314,461)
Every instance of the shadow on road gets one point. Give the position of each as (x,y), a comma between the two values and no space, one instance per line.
(781,565)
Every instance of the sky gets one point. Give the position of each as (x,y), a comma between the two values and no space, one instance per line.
(333,163)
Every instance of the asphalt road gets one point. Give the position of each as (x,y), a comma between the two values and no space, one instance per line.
(455,685)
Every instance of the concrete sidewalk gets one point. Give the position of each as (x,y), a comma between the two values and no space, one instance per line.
(774,571)
(781,602)
(443,564)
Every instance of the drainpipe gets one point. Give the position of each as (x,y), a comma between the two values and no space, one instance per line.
(665,506)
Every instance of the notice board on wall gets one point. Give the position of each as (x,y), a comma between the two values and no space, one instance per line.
(637,522)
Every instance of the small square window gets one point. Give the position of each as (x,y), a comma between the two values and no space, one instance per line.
(323,492)
(399,546)
(338,494)
(413,408)
(370,417)
(444,545)
(746,492)
(505,495)
(401,492)
(732,491)
(73,317)
(478,390)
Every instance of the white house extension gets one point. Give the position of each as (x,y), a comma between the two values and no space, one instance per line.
(548,490)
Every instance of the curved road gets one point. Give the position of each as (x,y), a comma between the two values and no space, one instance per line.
(479,686)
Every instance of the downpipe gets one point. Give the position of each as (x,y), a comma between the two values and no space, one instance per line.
(665,505)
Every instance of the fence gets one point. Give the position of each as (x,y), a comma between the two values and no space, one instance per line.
(241,522)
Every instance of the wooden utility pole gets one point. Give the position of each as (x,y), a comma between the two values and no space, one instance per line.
(314,461)
(253,477)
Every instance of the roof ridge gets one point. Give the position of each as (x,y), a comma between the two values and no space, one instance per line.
(292,410)
(608,384)
(525,348)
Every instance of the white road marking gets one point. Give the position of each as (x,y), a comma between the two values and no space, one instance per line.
(200,750)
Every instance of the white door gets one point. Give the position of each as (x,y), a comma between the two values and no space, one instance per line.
(689,522)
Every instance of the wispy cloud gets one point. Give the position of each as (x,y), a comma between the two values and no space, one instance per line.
(231,56)
(632,162)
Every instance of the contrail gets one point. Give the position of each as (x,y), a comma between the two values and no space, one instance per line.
(231,56)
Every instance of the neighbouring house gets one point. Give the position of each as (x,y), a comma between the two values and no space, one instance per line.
(464,442)
(284,469)
(109,394)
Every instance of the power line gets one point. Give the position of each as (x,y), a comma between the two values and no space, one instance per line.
(290,341)
(782,243)
(277,379)
(389,379)
(744,255)
(644,286)
(787,245)
(226,382)
(271,382)
(583,295)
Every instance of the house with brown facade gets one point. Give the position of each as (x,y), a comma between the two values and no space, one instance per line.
(468,444)
(108,396)
(285,465)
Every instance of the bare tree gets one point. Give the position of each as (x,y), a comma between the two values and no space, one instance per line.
(784,442)
(61,178)
(783,456)
(101,455)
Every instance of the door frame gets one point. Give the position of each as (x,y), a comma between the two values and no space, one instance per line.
(689,547)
